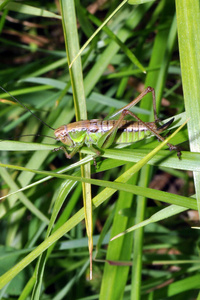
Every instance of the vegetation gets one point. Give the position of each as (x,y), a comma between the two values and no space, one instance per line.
(44,244)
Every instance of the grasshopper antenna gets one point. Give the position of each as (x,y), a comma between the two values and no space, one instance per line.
(41,135)
(26,108)
(25,135)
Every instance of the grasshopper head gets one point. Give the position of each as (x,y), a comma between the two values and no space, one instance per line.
(62,135)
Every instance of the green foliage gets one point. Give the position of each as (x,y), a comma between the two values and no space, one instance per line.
(140,187)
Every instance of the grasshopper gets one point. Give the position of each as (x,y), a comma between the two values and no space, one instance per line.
(99,134)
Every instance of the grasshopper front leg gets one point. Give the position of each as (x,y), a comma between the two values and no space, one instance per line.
(71,154)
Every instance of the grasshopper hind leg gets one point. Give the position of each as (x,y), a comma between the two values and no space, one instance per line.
(171,147)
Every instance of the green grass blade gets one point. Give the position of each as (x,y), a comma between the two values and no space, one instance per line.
(161,215)
(72,48)
(27,9)
(188,21)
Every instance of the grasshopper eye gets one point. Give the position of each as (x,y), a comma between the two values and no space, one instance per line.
(62,135)
(67,141)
